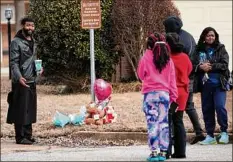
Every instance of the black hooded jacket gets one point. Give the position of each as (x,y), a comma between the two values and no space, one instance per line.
(22,100)
(22,56)
(174,24)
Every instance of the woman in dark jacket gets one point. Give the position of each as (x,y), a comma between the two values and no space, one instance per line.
(210,66)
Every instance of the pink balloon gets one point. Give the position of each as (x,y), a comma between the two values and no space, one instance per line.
(102,89)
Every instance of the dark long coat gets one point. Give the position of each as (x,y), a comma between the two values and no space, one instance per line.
(22,100)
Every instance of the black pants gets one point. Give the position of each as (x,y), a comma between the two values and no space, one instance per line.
(171,134)
(192,113)
(179,134)
(23,131)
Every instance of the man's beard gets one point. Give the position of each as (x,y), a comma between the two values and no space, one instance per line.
(27,32)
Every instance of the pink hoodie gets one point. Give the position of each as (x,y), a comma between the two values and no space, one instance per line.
(152,80)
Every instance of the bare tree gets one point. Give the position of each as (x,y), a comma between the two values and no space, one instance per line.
(133,20)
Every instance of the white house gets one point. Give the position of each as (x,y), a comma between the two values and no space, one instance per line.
(196,15)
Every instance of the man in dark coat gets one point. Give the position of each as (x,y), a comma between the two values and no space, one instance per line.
(174,24)
(23,98)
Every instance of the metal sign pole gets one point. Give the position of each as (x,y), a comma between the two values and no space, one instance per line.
(92,54)
(91,19)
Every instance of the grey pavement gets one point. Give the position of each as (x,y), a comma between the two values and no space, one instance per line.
(123,153)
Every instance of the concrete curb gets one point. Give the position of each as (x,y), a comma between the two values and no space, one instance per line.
(120,136)
(7,146)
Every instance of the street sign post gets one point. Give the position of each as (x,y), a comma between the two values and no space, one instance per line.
(91,19)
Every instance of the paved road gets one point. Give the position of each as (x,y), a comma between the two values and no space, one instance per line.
(130,153)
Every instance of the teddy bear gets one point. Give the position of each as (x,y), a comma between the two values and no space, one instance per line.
(110,116)
(95,114)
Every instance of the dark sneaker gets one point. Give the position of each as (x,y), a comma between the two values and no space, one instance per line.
(178,156)
(197,139)
(168,156)
(32,139)
(24,141)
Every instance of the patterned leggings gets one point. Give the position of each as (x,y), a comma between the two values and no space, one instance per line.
(155,107)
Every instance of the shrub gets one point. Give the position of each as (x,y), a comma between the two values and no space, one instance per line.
(64,46)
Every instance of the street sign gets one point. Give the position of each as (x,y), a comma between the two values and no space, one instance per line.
(90,14)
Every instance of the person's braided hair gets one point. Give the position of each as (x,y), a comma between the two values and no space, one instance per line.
(156,42)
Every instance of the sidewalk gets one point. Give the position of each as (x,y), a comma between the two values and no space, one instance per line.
(9,146)
(119,153)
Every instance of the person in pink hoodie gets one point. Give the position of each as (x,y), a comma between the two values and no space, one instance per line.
(157,72)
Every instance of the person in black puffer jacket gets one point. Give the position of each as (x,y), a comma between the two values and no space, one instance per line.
(174,24)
